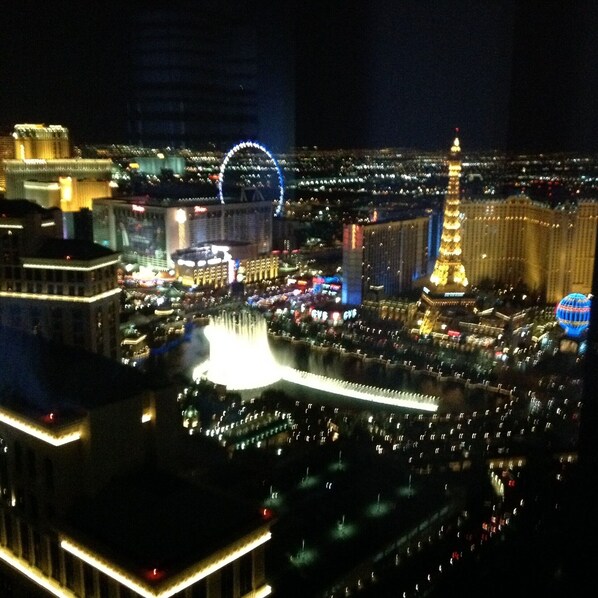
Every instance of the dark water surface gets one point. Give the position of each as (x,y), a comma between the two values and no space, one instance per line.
(344,366)
(372,372)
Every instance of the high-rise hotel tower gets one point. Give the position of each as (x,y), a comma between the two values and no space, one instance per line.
(65,290)
(42,170)
(384,258)
(40,142)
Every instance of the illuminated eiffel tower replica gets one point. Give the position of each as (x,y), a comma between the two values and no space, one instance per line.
(448,285)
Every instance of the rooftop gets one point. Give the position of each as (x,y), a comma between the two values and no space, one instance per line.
(70,249)
(19,208)
(248,195)
(150,520)
(38,377)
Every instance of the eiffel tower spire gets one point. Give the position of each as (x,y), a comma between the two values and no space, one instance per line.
(449,272)
(448,283)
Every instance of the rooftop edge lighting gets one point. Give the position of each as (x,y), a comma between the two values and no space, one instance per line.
(55,439)
(66,298)
(191,576)
(35,575)
(43,186)
(261,592)
(44,266)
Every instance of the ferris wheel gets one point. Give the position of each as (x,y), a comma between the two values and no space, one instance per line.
(258,146)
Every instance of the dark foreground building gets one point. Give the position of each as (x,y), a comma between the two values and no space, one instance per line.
(91,503)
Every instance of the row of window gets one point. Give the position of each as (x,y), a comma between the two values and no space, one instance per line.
(43,274)
(71,290)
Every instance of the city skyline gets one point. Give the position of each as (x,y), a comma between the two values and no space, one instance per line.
(513,77)
(366,366)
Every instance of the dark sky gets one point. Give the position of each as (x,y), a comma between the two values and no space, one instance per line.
(512,74)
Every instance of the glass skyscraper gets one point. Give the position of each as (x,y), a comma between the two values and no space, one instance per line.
(205,76)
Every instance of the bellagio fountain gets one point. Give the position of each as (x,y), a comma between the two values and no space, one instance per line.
(241,360)
(240,356)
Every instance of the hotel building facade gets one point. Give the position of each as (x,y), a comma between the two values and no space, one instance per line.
(43,170)
(551,250)
(61,289)
(37,141)
(7,152)
(148,231)
(386,257)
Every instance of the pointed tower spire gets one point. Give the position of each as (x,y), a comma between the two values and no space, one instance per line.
(456,147)
(449,272)
(448,283)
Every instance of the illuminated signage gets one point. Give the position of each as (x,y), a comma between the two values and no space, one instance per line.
(349,314)
(319,315)
(454,294)
(322,315)
(240,271)
(200,209)
(235,271)
(137,208)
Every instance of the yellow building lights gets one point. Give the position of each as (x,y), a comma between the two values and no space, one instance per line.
(64,298)
(46,266)
(449,269)
(58,438)
(35,575)
(179,583)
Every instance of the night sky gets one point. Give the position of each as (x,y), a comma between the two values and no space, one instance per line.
(513,75)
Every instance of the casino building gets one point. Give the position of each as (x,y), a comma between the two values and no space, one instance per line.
(384,258)
(552,250)
(148,231)
(40,168)
(218,265)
